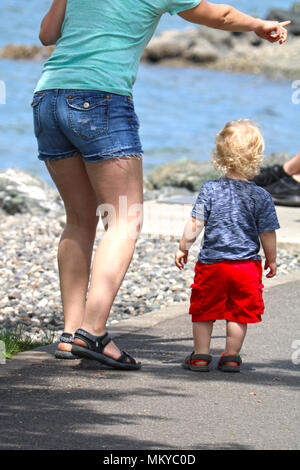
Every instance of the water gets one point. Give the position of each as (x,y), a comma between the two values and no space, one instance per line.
(180,109)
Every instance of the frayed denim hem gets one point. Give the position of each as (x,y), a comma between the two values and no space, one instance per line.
(101,158)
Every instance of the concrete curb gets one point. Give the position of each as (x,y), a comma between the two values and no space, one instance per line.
(128,326)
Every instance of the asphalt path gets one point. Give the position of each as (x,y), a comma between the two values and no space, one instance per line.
(66,405)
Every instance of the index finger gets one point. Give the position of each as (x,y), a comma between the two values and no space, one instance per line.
(285,23)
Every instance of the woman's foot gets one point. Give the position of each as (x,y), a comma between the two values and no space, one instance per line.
(66,341)
(283,187)
(101,348)
(65,346)
(110,350)
(269,175)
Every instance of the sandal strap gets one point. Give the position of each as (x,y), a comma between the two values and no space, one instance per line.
(125,356)
(201,357)
(223,359)
(198,357)
(66,338)
(96,343)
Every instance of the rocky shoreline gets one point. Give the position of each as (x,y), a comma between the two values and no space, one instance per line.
(209,48)
(222,50)
(32,221)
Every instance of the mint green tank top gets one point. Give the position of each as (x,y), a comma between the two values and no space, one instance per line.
(102,42)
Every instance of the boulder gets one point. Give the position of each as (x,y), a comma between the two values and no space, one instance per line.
(23,192)
(23,51)
(183,173)
(169,44)
(202,52)
(216,37)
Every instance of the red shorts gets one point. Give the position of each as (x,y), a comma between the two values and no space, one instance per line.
(229,290)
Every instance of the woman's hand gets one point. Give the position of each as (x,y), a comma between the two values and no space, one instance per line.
(272,31)
(181,257)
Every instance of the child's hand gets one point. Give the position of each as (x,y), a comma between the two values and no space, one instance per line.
(180,258)
(272,267)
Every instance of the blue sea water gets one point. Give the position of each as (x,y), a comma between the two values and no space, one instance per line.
(180,109)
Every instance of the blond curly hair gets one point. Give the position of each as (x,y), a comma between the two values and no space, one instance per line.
(239,148)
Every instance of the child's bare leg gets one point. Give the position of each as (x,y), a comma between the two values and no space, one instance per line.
(202,335)
(235,335)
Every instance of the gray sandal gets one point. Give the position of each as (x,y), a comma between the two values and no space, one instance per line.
(61,354)
(189,362)
(224,368)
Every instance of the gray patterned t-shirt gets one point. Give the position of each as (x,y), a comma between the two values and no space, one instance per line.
(235,213)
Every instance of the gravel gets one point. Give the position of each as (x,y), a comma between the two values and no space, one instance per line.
(29,284)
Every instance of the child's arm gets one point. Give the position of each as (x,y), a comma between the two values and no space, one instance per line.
(52,22)
(192,230)
(268,241)
(227,18)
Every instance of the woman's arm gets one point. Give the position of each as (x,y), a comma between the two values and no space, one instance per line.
(227,18)
(51,24)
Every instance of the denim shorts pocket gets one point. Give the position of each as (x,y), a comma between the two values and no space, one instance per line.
(88,115)
(35,104)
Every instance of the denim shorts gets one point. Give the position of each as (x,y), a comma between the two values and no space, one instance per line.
(99,125)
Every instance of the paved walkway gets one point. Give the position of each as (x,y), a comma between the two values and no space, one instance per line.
(51,404)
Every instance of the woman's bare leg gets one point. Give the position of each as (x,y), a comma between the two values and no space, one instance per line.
(76,243)
(118,185)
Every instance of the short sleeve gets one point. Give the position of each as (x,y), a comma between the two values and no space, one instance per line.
(202,205)
(266,217)
(176,6)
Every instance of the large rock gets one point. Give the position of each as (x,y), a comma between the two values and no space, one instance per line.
(218,38)
(169,44)
(183,173)
(196,44)
(23,192)
(23,51)
(202,52)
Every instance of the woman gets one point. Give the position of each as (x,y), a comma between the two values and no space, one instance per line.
(87,134)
